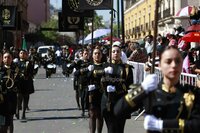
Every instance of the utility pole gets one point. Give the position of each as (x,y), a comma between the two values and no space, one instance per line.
(122,21)
(155,35)
(118,19)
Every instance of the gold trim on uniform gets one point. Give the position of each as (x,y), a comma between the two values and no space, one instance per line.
(129,99)
(168,89)
(116,62)
(180,109)
(96,63)
(90,98)
(95,72)
(124,87)
(127,70)
(189,101)
(181,124)
(1,98)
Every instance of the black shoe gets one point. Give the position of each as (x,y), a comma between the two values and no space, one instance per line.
(27,108)
(17,116)
(79,108)
(20,107)
(23,119)
(83,114)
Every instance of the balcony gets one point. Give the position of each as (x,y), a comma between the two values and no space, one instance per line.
(126,32)
(133,31)
(166,13)
(137,29)
(141,27)
(147,26)
(129,32)
(159,16)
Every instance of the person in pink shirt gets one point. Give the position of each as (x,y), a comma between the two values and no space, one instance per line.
(172,40)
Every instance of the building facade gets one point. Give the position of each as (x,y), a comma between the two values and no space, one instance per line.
(12,36)
(38,12)
(139,17)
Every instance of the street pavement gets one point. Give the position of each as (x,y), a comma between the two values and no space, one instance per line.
(53,109)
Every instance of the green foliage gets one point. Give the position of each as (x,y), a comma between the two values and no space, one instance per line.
(50,35)
(115,30)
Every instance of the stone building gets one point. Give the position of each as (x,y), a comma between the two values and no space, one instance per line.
(139,17)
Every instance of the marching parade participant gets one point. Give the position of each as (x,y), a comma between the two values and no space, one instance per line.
(82,79)
(95,92)
(169,106)
(8,93)
(118,76)
(76,66)
(34,58)
(26,86)
(76,82)
(65,61)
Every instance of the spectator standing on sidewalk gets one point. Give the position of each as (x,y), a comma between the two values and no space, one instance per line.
(138,54)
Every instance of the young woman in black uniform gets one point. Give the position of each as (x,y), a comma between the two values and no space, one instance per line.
(8,93)
(115,81)
(95,92)
(169,105)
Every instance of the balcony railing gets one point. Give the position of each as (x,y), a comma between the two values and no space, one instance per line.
(159,16)
(126,32)
(147,26)
(137,29)
(166,13)
(133,31)
(129,31)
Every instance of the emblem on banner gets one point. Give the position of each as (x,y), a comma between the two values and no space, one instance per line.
(6,16)
(70,23)
(94,2)
(73,5)
(73,20)
(95,5)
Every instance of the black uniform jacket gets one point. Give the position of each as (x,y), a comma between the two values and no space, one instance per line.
(180,111)
(121,78)
(81,72)
(26,68)
(94,78)
(8,90)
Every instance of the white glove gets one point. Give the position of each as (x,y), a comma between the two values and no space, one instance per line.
(111,88)
(91,67)
(91,87)
(16,60)
(152,123)
(108,70)
(150,83)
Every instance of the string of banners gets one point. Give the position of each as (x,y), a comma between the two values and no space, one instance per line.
(74,11)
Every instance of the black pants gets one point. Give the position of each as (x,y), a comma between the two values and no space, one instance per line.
(8,127)
(114,124)
(23,99)
(84,98)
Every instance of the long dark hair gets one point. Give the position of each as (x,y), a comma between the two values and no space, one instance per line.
(168,48)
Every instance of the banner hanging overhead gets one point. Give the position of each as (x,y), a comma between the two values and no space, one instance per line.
(8,16)
(95,5)
(70,23)
(71,8)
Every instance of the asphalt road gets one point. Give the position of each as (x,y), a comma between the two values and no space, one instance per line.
(53,109)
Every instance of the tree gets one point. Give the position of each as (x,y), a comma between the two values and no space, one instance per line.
(97,23)
(50,34)
(115,30)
